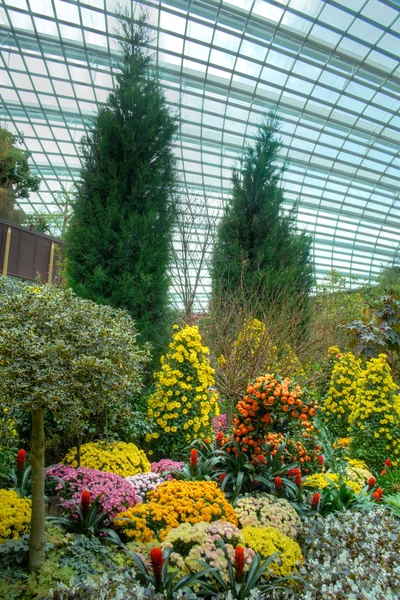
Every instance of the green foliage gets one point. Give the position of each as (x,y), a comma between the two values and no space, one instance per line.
(241,584)
(69,356)
(16,180)
(87,521)
(164,582)
(393,502)
(258,246)
(334,305)
(120,231)
(338,497)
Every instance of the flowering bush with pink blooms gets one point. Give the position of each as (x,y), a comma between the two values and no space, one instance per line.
(164,465)
(219,423)
(116,494)
(144,482)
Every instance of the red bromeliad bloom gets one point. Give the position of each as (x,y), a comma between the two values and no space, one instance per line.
(157,561)
(378,494)
(85,501)
(296,474)
(315,500)
(278,483)
(371,482)
(221,477)
(388,462)
(21,459)
(239,561)
(321,459)
(193,457)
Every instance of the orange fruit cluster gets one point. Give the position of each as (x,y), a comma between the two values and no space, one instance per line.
(271,399)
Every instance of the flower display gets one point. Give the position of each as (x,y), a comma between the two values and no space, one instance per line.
(341,397)
(183,405)
(144,483)
(119,458)
(269,400)
(172,503)
(267,540)
(15,515)
(164,465)
(265,510)
(375,420)
(193,543)
(319,481)
(114,493)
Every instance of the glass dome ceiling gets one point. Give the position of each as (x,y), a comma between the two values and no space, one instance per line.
(332,68)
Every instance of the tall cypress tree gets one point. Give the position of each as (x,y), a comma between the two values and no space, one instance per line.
(258,247)
(119,240)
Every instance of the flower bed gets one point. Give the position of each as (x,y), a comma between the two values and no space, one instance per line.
(114,492)
(173,503)
(119,458)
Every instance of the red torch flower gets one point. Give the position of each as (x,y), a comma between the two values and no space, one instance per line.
(278,483)
(321,460)
(85,501)
(315,500)
(296,474)
(239,561)
(157,560)
(21,459)
(371,482)
(219,438)
(378,494)
(388,462)
(383,472)
(193,457)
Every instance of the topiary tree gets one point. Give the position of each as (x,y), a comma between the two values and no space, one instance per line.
(257,244)
(340,400)
(68,356)
(120,233)
(183,405)
(375,419)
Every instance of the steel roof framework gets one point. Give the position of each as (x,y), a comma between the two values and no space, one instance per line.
(331,67)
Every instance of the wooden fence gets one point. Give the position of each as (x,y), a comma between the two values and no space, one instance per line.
(28,254)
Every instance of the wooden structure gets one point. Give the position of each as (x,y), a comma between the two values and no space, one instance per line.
(28,254)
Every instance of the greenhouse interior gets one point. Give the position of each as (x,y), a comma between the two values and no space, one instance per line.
(199,300)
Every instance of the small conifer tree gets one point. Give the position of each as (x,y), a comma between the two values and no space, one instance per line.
(120,235)
(258,246)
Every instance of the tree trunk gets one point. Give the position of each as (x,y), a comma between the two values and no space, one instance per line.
(37,536)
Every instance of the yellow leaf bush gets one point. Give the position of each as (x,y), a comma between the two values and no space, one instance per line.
(15,515)
(340,401)
(119,458)
(183,405)
(267,540)
(375,420)
(173,503)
